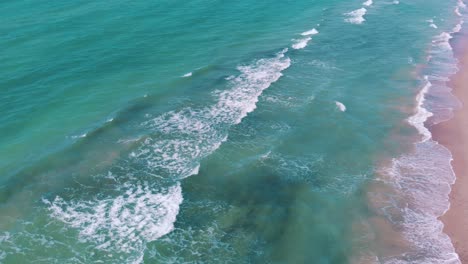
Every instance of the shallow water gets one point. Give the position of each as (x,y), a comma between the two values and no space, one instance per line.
(215,132)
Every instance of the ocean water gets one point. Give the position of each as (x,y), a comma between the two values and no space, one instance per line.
(225,132)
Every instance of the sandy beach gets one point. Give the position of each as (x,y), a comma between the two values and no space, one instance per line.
(454,135)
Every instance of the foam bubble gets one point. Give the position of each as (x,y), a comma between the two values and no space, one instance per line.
(368,3)
(457,27)
(301,43)
(356,16)
(310,32)
(80,136)
(187,75)
(461,4)
(340,106)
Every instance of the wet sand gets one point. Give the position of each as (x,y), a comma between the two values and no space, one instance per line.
(454,135)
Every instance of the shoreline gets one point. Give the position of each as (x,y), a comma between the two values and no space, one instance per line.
(453,134)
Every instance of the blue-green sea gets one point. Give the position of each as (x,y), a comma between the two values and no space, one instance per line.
(210,131)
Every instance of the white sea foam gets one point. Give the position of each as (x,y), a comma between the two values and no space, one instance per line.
(234,104)
(443,40)
(187,75)
(457,28)
(356,16)
(431,23)
(4,238)
(124,223)
(310,32)
(340,106)
(422,114)
(301,43)
(423,177)
(461,4)
(128,140)
(368,3)
(422,180)
(198,129)
(396,2)
(80,136)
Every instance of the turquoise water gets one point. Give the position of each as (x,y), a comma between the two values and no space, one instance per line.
(224,132)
